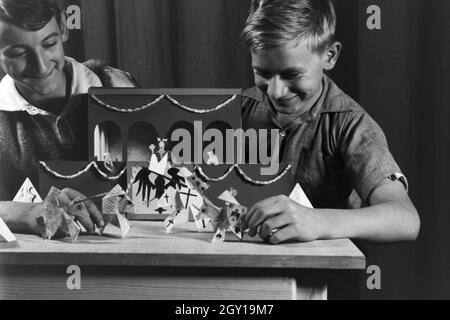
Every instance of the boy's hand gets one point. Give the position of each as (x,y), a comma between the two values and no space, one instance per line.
(86,213)
(280,219)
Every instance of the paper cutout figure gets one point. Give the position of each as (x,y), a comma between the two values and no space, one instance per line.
(228,218)
(179,216)
(197,183)
(7,239)
(189,200)
(109,164)
(157,166)
(117,226)
(55,221)
(114,205)
(154,189)
(299,196)
(229,196)
(124,205)
(27,193)
(223,219)
(162,148)
(212,159)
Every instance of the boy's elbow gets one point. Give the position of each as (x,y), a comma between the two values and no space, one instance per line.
(412,225)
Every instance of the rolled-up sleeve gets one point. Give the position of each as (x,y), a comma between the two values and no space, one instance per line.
(367,159)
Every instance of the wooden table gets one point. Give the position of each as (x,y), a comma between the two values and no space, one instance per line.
(150,264)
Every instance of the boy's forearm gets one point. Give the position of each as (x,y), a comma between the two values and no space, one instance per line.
(18,216)
(387,222)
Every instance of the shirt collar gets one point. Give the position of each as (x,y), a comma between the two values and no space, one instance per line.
(330,101)
(82,79)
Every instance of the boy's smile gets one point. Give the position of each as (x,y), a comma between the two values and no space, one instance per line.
(34,59)
(291,77)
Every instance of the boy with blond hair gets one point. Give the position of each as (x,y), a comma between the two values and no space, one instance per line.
(334,146)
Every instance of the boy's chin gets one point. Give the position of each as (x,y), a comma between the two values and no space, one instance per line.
(41,89)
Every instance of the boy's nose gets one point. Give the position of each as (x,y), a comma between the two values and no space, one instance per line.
(41,64)
(276,88)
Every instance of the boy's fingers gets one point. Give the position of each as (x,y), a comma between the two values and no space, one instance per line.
(95,214)
(257,206)
(270,226)
(282,235)
(81,214)
(87,212)
(261,215)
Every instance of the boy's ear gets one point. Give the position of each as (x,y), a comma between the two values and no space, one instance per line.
(63,27)
(331,55)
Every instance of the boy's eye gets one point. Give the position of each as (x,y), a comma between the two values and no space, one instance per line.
(15,54)
(293,75)
(49,45)
(266,75)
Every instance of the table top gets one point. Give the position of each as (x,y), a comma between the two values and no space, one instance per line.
(148,244)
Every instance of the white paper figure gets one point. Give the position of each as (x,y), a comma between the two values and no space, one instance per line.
(112,204)
(299,196)
(212,159)
(158,167)
(203,223)
(27,193)
(118,227)
(109,164)
(6,234)
(228,197)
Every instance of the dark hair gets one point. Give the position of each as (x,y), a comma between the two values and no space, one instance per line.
(272,23)
(31,15)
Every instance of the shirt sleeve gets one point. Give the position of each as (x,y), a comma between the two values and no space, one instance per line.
(367,159)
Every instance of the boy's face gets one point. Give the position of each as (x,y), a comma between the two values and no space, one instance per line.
(290,77)
(34,59)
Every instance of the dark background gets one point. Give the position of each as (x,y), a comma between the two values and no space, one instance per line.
(399,74)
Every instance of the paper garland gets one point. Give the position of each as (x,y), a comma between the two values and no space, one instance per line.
(243,175)
(84,171)
(159,99)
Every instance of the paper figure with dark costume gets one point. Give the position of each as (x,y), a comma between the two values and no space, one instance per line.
(189,200)
(157,184)
(177,181)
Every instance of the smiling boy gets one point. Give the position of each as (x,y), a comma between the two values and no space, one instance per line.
(334,146)
(43,112)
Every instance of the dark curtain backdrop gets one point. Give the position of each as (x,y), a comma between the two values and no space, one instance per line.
(400,74)
(170,43)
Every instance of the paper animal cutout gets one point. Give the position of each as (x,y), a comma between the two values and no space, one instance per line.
(56,220)
(7,239)
(227,218)
(114,205)
(27,193)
